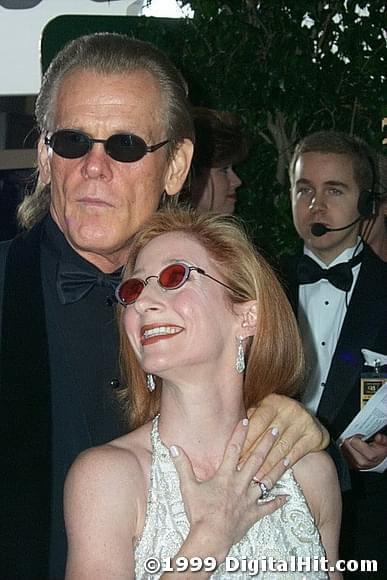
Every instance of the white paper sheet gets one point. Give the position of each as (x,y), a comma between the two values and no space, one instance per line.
(371,418)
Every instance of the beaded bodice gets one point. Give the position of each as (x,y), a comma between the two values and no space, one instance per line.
(287,534)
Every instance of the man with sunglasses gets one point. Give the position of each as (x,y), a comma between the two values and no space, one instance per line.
(116,138)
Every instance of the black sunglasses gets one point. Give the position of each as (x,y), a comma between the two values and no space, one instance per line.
(170,278)
(124,147)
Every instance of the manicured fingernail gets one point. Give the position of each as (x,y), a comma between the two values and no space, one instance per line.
(173,450)
(286,461)
(245,422)
(274,431)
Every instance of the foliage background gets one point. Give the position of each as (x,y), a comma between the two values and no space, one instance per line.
(286,79)
(286,67)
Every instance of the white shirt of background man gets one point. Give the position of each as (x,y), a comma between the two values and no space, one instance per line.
(321,313)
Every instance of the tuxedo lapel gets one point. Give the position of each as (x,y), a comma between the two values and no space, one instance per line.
(361,326)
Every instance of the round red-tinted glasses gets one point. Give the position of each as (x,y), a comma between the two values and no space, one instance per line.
(170,278)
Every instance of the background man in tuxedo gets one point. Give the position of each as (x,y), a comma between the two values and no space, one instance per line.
(341,309)
(116,137)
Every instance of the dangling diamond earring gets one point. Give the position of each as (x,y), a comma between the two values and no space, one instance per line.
(150,382)
(240,359)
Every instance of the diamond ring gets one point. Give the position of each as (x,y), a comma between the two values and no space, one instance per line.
(263,487)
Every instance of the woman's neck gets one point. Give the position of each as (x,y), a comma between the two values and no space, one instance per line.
(200,419)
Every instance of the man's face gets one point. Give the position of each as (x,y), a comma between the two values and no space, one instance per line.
(97,202)
(324,191)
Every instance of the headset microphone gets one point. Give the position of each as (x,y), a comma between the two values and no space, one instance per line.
(319,229)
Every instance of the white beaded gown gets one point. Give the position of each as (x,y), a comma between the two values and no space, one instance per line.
(286,535)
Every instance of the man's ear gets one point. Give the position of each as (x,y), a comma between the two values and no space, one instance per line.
(178,167)
(44,162)
(247,313)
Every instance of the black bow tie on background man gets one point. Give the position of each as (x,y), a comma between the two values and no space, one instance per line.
(74,282)
(340,276)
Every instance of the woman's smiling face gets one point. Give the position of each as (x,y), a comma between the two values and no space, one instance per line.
(190,327)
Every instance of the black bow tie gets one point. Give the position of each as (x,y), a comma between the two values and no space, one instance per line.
(308,272)
(74,282)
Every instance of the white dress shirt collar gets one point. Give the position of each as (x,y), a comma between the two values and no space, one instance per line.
(345,256)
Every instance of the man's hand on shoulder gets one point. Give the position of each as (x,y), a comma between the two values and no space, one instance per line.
(299,432)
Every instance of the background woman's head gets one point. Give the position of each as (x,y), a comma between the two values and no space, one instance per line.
(274,355)
(220,144)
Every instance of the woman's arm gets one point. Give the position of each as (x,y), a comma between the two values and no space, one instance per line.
(101,514)
(316,474)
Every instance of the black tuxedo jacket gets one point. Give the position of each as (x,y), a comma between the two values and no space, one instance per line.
(37,419)
(25,482)
(364,326)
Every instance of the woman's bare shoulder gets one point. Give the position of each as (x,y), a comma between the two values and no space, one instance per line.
(316,473)
(315,469)
(122,462)
(319,460)
(111,483)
